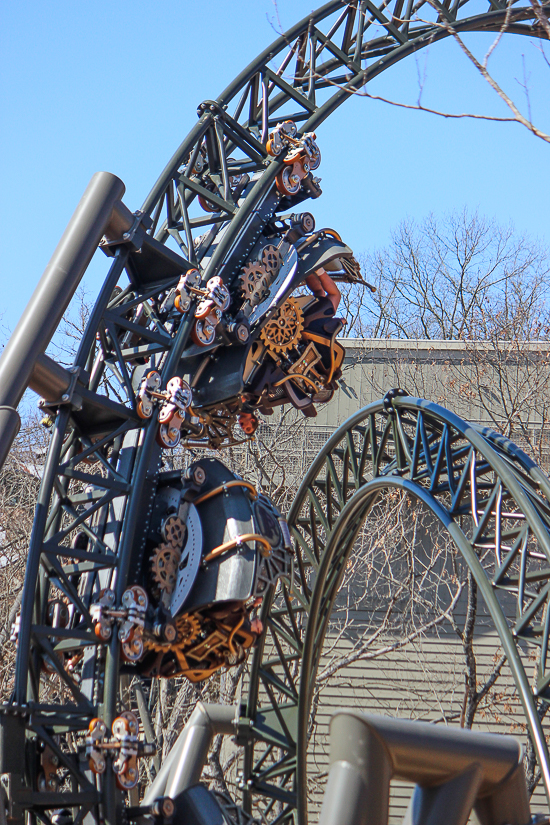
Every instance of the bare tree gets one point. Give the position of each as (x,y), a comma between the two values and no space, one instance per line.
(452,278)
(464,279)
(442,18)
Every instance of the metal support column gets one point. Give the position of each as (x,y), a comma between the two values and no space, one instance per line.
(454,769)
(52,296)
(183,767)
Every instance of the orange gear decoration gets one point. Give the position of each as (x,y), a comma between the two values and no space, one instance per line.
(188,627)
(272,258)
(174,531)
(254,280)
(164,566)
(283,330)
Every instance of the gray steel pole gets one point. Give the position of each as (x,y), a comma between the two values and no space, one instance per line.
(454,769)
(52,295)
(183,766)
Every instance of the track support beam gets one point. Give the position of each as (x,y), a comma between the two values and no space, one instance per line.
(90,221)
(183,767)
(454,770)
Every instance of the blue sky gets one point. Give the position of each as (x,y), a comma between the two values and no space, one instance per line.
(115,85)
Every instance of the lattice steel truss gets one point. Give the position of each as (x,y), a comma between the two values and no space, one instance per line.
(305,75)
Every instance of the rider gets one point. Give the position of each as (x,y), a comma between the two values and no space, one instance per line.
(322,286)
(320,328)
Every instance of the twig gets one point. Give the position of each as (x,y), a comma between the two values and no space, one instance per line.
(364,655)
(482,69)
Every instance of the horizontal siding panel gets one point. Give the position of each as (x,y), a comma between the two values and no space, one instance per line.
(424,679)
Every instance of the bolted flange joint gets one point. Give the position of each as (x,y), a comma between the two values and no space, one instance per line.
(388,399)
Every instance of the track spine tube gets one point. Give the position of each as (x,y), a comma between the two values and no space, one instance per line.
(55,290)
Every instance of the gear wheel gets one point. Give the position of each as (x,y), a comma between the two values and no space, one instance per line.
(271,259)
(188,627)
(254,280)
(283,330)
(164,566)
(173,531)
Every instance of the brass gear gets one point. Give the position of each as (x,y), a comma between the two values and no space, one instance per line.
(164,566)
(188,627)
(271,259)
(254,280)
(173,530)
(283,330)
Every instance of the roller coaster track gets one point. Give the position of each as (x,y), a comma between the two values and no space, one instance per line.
(489,496)
(206,211)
